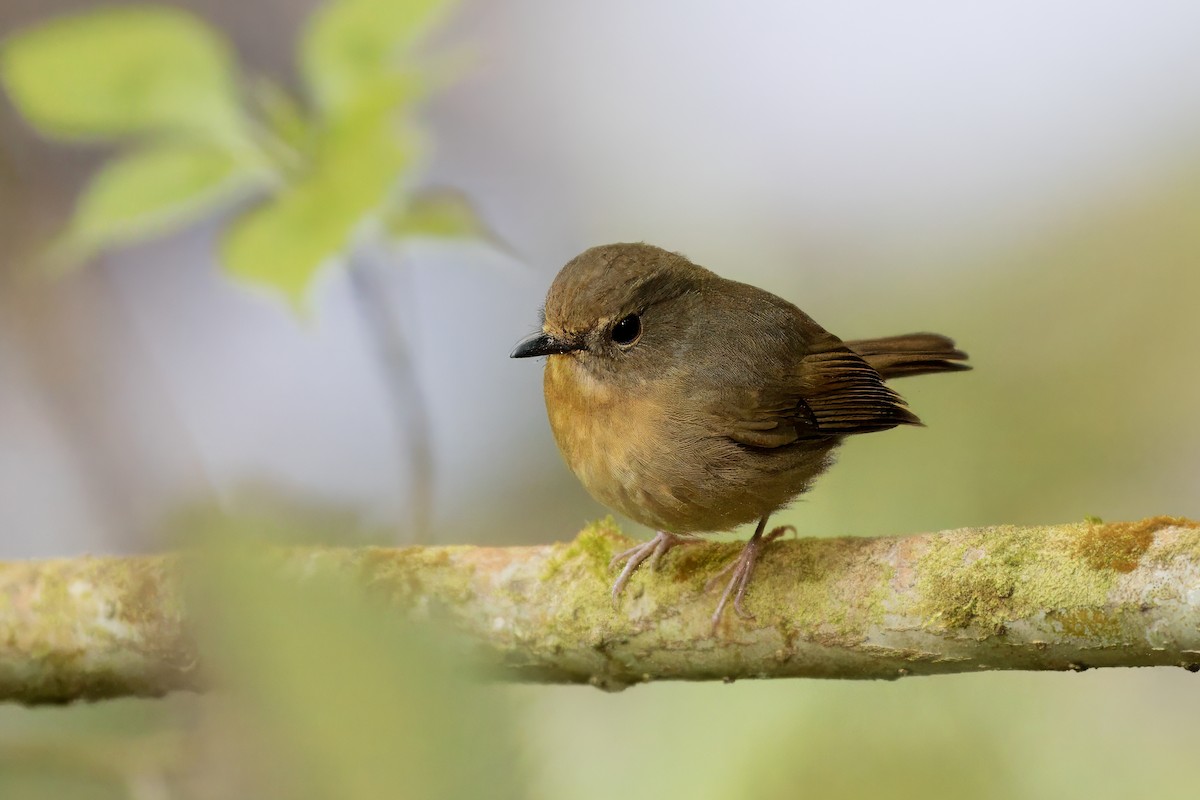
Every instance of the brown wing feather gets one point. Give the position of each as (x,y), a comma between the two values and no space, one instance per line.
(846,395)
(832,393)
(773,377)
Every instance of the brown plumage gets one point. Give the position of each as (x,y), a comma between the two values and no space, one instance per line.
(692,403)
(910,354)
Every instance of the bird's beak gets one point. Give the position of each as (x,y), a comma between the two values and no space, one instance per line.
(542,344)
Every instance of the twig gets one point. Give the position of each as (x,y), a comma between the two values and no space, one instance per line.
(409,411)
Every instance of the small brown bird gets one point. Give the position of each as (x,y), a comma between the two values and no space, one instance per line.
(692,404)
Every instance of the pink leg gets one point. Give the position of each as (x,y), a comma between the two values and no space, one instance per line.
(634,556)
(743,570)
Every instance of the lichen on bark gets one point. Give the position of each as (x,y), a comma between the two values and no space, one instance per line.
(1007,597)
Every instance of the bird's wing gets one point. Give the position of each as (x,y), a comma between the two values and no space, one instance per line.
(833,392)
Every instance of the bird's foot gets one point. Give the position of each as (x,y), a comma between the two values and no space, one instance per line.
(634,556)
(742,568)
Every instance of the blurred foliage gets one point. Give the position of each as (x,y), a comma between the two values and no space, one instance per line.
(352,49)
(439,214)
(325,694)
(196,135)
(157,187)
(354,165)
(137,70)
(362,705)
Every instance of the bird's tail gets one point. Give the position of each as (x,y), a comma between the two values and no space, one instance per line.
(910,354)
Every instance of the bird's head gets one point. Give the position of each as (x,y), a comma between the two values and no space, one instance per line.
(619,309)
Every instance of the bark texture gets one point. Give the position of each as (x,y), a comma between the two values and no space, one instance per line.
(1061,597)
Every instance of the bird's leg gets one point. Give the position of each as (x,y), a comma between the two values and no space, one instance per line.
(743,569)
(725,570)
(634,556)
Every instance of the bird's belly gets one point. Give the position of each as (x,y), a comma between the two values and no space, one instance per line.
(636,457)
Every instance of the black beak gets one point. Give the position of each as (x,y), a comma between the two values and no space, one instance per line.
(542,344)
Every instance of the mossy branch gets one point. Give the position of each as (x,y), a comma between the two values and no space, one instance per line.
(1062,597)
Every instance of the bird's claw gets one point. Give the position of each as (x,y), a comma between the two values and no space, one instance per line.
(743,570)
(653,550)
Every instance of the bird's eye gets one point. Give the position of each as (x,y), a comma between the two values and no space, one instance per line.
(627,331)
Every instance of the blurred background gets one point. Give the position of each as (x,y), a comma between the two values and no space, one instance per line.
(1023,176)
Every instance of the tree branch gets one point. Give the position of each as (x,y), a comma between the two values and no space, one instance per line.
(1046,598)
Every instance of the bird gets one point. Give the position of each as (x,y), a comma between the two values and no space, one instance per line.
(694,404)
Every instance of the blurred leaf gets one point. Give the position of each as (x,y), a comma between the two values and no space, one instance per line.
(283,115)
(352,46)
(358,161)
(360,704)
(122,70)
(439,214)
(152,191)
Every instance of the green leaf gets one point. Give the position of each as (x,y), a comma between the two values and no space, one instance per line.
(352,46)
(123,70)
(439,213)
(283,116)
(284,242)
(152,191)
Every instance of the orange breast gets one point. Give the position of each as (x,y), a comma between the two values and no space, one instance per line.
(607,436)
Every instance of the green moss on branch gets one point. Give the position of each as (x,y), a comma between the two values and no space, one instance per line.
(1040,597)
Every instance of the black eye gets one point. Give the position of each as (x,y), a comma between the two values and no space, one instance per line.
(627,331)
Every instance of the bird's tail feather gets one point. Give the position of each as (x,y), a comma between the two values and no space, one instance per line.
(910,354)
